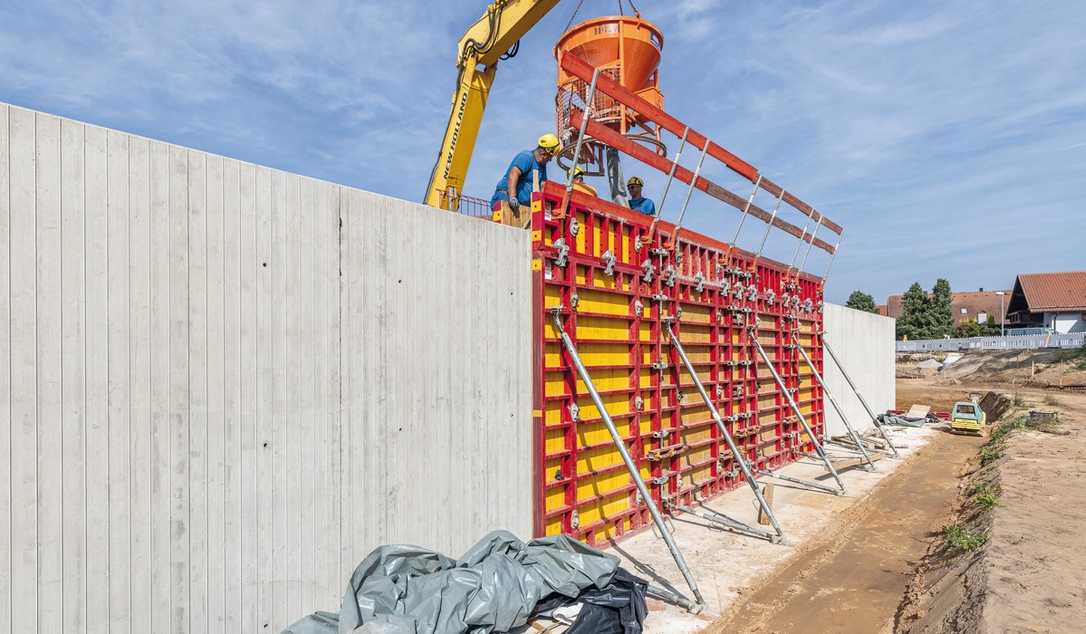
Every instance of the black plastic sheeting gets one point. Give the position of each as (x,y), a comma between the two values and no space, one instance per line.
(497,585)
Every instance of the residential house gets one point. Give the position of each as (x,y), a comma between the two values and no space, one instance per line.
(1055,301)
(964,306)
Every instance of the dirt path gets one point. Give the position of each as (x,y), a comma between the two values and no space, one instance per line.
(853,581)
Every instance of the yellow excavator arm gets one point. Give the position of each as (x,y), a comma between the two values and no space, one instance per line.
(480,50)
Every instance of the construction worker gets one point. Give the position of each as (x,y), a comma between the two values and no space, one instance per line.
(515,187)
(579,184)
(637,203)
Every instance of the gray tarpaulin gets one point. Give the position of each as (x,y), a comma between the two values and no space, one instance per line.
(494,587)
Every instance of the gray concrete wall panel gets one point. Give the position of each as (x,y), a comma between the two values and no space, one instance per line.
(221,385)
(864,342)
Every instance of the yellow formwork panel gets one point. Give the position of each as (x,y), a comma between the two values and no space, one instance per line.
(697,435)
(805,395)
(580,240)
(698,353)
(805,340)
(695,313)
(694,411)
(596,433)
(553,468)
(554,441)
(693,335)
(556,497)
(806,380)
(593,301)
(697,477)
(605,380)
(686,380)
(616,405)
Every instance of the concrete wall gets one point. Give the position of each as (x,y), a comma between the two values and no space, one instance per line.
(864,342)
(221,385)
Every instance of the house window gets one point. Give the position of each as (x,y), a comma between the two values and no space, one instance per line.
(964,311)
(982,318)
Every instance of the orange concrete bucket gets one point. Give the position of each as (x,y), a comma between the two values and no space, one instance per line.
(626,42)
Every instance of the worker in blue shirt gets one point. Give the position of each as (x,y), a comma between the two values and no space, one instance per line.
(515,187)
(637,203)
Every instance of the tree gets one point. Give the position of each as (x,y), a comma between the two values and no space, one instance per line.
(862,301)
(913,323)
(942,318)
(969,328)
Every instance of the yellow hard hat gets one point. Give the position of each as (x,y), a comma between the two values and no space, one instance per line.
(635,181)
(577,171)
(549,142)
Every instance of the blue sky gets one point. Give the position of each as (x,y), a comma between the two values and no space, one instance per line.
(949,138)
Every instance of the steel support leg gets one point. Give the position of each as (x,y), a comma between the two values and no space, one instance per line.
(743,466)
(635,475)
(833,401)
(795,408)
(848,379)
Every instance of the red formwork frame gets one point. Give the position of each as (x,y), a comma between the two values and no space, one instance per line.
(705,286)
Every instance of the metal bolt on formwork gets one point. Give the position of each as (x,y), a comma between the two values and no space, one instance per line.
(574,300)
(574,227)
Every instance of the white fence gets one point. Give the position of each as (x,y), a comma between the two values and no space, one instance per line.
(1019,342)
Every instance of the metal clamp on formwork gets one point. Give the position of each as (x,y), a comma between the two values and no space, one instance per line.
(561,252)
(608,260)
(833,401)
(647,270)
(874,419)
(717,518)
(698,603)
(803,421)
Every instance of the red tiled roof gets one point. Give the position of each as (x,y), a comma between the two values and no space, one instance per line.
(1054,291)
(974,303)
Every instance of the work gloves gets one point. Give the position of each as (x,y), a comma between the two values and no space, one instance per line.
(514,204)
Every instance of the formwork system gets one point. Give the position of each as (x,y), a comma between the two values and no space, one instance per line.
(618,290)
(611,288)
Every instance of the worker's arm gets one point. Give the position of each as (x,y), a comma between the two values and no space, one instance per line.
(514,180)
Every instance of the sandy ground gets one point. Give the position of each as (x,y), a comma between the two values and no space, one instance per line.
(1031,574)
(1037,555)
(853,581)
(727,566)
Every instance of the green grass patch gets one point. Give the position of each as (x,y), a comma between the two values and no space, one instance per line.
(988,455)
(987,500)
(962,538)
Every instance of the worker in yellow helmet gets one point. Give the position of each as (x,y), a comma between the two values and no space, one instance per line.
(580,185)
(637,201)
(515,187)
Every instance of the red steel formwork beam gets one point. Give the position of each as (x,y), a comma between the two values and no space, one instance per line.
(583,71)
(635,150)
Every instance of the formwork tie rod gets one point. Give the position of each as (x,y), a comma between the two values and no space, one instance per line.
(799,414)
(658,519)
(833,401)
(743,466)
(848,379)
